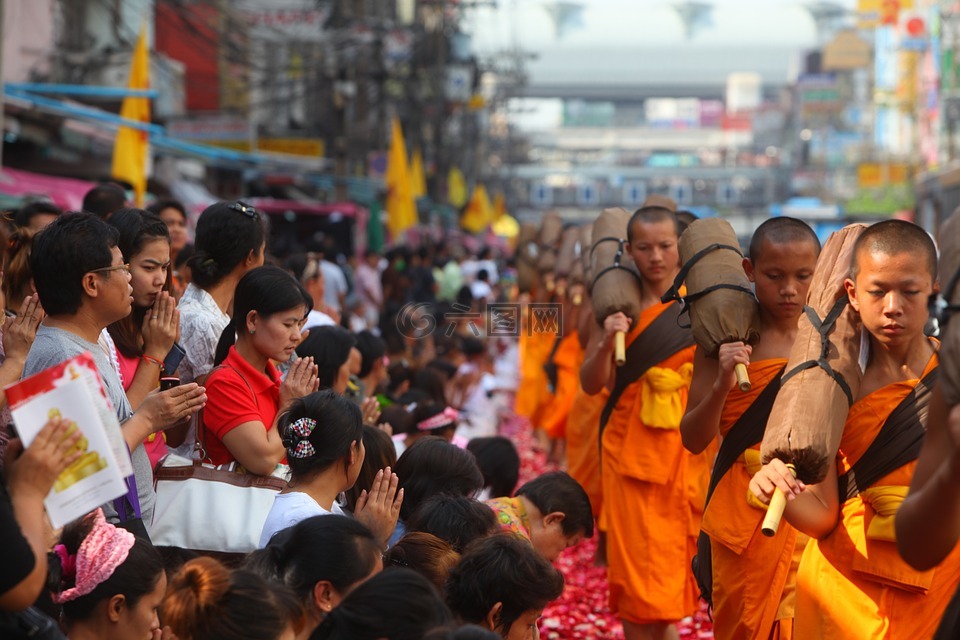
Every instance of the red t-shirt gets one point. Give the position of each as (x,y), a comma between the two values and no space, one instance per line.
(237,393)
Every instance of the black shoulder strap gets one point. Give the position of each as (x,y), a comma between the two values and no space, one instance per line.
(660,340)
(745,433)
(898,442)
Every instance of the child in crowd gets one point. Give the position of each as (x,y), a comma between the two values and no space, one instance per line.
(457,520)
(552,512)
(503,585)
(426,554)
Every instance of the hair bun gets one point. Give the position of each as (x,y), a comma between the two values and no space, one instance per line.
(199,586)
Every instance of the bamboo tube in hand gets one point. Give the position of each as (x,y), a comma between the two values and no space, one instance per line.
(620,348)
(743,378)
(771,521)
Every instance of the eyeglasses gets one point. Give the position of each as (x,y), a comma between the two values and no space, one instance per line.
(245,209)
(116,267)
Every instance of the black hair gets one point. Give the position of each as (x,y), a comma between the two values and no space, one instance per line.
(465,632)
(332,548)
(399,604)
(338,425)
(685,219)
(431,466)
(652,215)
(447,368)
(372,349)
(398,372)
(557,491)
(456,519)
(174,558)
(502,568)
(782,230)
(499,463)
(104,199)
(891,237)
(329,346)
(135,227)
(266,290)
(399,418)
(162,205)
(223,240)
(483,275)
(472,347)
(184,255)
(63,253)
(27,212)
(380,452)
(431,382)
(134,578)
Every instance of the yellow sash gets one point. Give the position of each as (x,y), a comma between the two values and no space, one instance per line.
(661,396)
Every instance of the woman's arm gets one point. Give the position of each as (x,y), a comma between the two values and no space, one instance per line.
(928,522)
(258,449)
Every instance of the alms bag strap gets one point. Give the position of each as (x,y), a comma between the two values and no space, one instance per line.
(660,340)
(673,293)
(824,326)
(897,443)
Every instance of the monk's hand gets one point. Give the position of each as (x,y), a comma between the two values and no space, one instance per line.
(612,325)
(775,475)
(730,355)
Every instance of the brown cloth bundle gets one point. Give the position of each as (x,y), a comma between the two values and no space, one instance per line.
(616,281)
(550,231)
(823,372)
(586,241)
(950,331)
(719,298)
(568,251)
(527,252)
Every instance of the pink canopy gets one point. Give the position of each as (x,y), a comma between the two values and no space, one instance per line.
(66,193)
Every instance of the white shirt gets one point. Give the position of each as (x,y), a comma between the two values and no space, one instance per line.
(201,323)
(318,319)
(334,284)
(290,508)
(480,290)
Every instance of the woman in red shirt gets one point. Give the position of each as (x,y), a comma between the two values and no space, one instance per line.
(245,395)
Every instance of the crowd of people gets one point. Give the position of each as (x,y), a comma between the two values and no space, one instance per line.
(374,390)
(400,515)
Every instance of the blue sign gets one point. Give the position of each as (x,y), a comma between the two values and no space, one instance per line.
(634,193)
(541,195)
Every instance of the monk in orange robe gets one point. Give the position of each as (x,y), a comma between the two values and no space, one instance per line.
(644,466)
(852,582)
(566,359)
(753,576)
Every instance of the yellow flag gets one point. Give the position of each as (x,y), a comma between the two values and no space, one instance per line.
(401,207)
(456,188)
(132,145)
(417,177)
(479,213)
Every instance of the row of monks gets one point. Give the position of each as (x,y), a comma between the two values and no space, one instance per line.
(643,439)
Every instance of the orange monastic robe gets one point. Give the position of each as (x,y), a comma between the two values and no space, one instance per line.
(583,444)
(567,359)
(532,392)
(647,509)
(753,576)
(853,586)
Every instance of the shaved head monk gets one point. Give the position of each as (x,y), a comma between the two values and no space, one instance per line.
(646,473)
(753,577)
(852,582)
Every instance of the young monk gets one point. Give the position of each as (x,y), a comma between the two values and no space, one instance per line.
(752,578)
(852,583)
(647,508)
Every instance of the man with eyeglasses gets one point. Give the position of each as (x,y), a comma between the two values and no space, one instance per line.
(84,286)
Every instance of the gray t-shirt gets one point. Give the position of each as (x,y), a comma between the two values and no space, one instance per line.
(53,346)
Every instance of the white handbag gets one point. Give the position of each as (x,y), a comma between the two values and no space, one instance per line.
(210,508)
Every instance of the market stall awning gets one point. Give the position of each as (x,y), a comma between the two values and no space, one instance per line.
(66,193)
